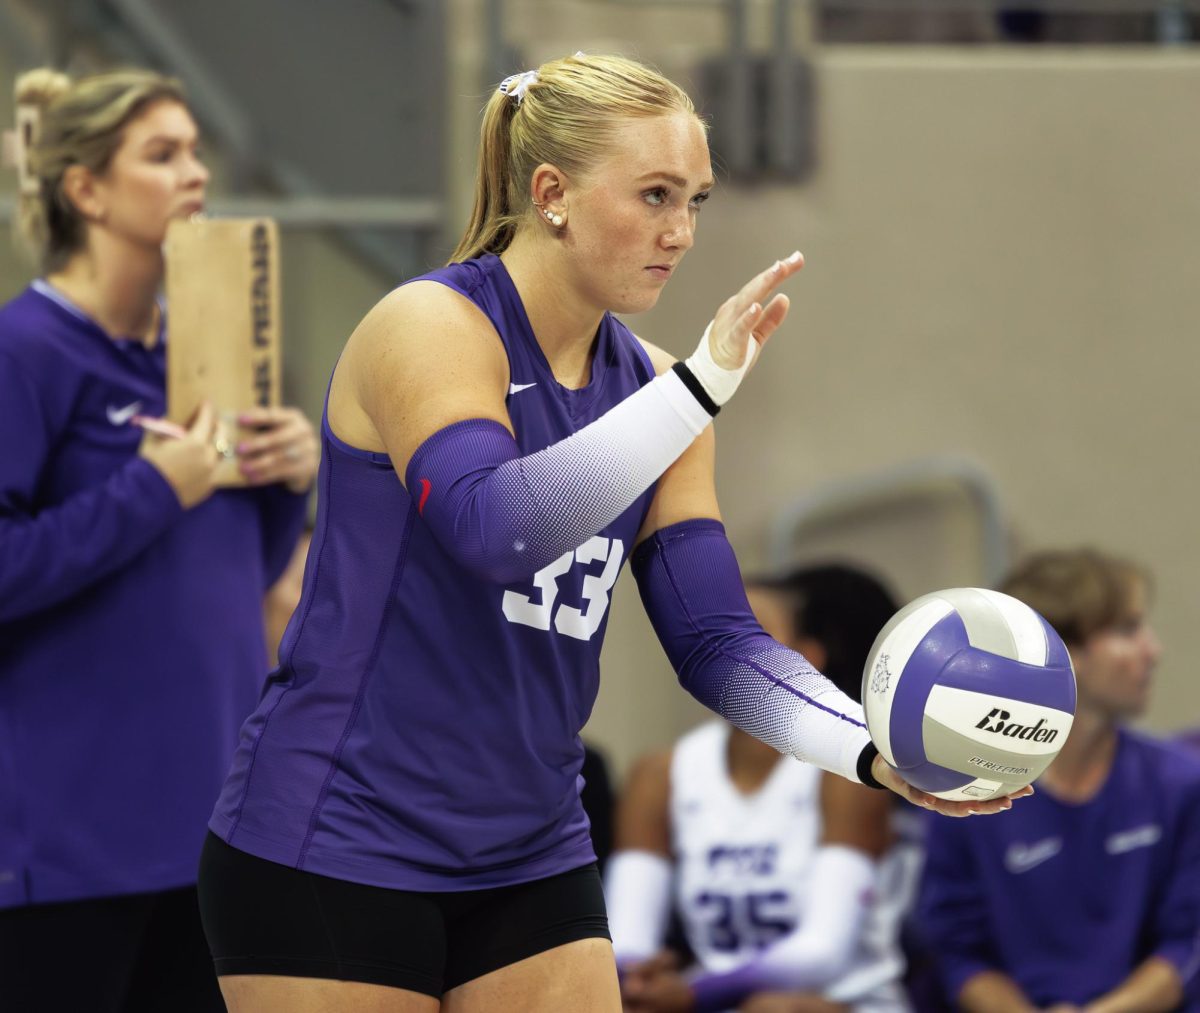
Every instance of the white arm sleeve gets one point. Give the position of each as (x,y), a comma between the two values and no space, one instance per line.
(820,950)
(637,892)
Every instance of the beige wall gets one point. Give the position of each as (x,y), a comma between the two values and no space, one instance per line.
(1001,266)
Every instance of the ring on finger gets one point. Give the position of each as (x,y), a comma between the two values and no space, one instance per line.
(292,453)
(222,445)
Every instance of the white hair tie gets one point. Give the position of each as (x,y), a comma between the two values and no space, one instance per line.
(516,85)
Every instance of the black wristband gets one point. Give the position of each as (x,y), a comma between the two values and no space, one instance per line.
(697,388)
(863,767)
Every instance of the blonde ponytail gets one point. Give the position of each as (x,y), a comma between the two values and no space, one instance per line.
(493,221)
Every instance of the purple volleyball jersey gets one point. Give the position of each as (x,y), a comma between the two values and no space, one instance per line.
(422,730)
(1069,899)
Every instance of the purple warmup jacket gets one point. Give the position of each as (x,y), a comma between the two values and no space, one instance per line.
(1068,899)
(131,635)
(421,731)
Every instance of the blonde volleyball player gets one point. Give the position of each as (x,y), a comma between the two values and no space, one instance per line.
(401,829)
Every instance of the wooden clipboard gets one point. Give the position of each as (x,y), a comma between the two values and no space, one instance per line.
(223,317)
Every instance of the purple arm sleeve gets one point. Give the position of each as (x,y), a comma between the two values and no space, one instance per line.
(504,516)
(49,554)
(692,590)
(467,484)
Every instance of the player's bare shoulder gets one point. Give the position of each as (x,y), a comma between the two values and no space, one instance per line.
(418,325)
(659,358)
(421,345)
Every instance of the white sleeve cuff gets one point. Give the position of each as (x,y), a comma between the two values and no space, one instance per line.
(637,892)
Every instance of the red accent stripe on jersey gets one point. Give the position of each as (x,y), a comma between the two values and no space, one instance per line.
(424,495)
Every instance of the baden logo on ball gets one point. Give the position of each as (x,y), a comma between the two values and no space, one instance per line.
(969,693)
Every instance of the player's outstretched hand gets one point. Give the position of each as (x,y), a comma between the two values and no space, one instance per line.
(750,313)
(743,324)
(887,775)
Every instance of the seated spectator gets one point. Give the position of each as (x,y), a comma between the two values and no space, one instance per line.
(788,881)
(1088,894)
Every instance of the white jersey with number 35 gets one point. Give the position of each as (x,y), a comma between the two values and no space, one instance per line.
(744,864)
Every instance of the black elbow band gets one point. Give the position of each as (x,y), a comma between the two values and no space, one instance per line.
(863,767)
(696,388)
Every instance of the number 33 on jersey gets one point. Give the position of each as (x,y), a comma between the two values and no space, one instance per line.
(569,620)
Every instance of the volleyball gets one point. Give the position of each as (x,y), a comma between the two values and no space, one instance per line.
(968,693)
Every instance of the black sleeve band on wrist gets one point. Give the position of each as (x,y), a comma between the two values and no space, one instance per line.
(863,767)
(697,389)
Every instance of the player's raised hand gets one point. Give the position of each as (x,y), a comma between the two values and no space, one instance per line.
(889,777)
(743,324)
(749,313)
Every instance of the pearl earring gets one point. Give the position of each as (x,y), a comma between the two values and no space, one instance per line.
(552,218)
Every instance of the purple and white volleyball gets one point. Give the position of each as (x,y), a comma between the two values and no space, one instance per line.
(969,693)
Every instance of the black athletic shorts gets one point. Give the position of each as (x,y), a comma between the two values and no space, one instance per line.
(264,918)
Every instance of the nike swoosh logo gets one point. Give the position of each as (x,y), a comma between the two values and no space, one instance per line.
(516,388)
(424,495)
(120,416)
(1023,857)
